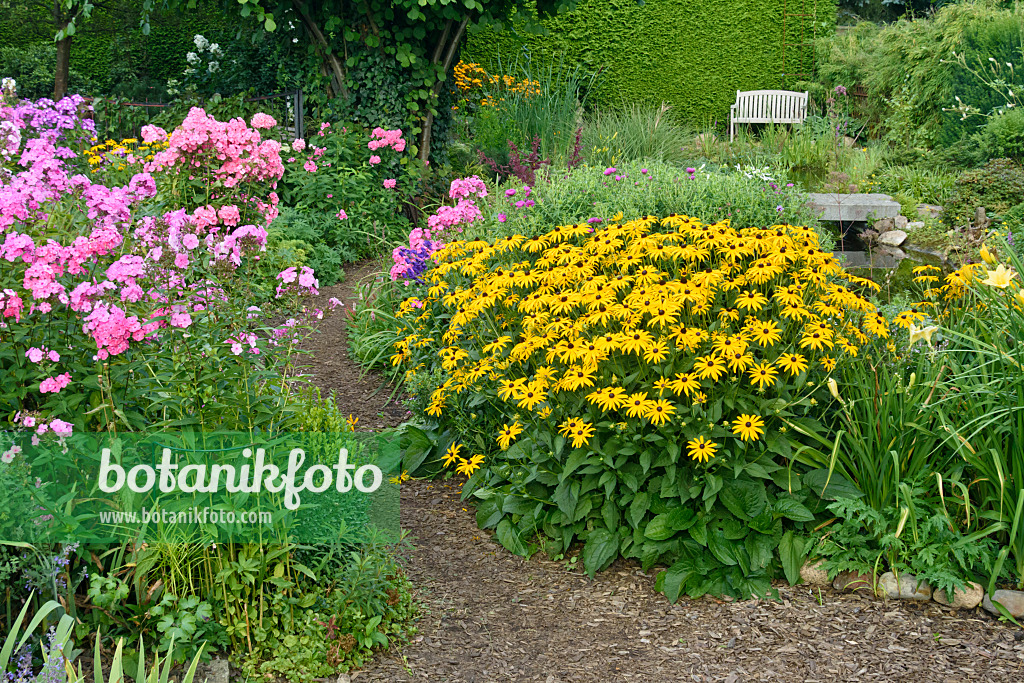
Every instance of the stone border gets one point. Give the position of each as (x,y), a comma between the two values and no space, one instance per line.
(909,587)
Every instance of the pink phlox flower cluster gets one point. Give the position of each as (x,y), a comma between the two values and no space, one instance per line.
(247,338)
(262,120)
(386,138)
(113,329)
(305,279)
(7,457)
(462,188)
(151,134)
(245,156)
(53,385)
(464,212)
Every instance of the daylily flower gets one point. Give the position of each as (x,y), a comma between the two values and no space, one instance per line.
(1000,277)
(919,333)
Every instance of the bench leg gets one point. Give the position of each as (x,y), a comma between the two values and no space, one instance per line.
(732,129)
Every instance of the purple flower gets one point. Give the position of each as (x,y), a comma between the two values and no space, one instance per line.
(610,170)
(691,171)
(520,204)
(510,193)
(594,221)
(840,89)
(789,184)
(502,218)
(529,203)
(643,170)
(779,208)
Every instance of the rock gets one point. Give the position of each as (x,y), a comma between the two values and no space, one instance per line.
(849,142)
(214,671)
(813,574)
(852,581)
(1013,601)
(883,225)
(900,222)
(962,599)
(914,225)
(894,252)
(907,587)
(892,238)
(852,207)
(929,210)
(981,220)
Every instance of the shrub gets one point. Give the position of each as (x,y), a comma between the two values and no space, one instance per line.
(997,186)
(645,387)
(1013,224)
(1003,136)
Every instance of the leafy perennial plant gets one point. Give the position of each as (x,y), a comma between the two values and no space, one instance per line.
(642,386)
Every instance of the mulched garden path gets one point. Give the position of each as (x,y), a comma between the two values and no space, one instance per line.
(490,616)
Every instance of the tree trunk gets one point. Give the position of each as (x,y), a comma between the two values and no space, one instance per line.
(453,46)
(60,83)
(333,63)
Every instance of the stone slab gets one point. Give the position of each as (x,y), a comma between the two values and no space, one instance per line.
(848,208)
(879,258)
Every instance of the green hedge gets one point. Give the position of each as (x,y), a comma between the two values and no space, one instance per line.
(692,54)
(110,46)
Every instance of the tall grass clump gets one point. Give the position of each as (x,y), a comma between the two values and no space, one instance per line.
(635,133)
(530,103)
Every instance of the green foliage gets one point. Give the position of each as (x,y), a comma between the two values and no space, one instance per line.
(361,603)
(997,186)
(1013,225)
(913,535)
(913,74)
(692,55)
(372,327)
(586,192)
(915,184)
(1003,136)
(635,133)
(546,106)
(33,68)
(985,416)
(879,455)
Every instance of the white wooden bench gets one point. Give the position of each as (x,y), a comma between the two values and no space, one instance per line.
(767,106)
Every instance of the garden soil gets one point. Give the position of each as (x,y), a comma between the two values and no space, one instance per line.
(487,615)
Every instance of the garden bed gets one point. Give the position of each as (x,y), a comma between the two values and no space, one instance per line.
(489,615)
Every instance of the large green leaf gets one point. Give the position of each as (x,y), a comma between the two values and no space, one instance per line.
(509,537)
(721,547)
(601,548)
(745,498)
(672,580)
(792,509)
(791,552)
(831,486)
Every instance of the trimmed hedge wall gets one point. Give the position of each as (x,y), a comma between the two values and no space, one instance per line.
(693,54)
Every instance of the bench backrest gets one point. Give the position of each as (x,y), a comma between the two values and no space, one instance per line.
(766,106)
